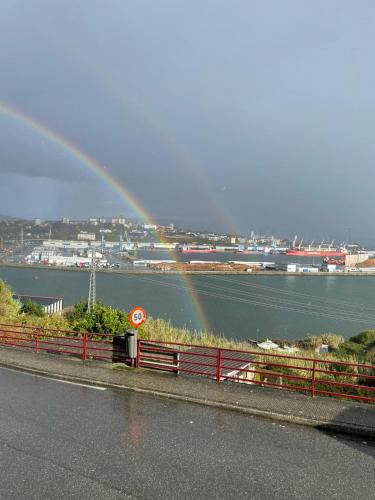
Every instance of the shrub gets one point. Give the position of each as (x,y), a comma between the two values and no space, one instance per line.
(365,338)
(371,353)
(100,319)
(331,339)
(163,330)
(32,308)
(9,308)
(350,347)
(54,322)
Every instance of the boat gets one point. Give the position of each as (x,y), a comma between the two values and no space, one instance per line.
(268,345)
(323,250)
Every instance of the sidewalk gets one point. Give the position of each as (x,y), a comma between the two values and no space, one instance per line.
(322,412)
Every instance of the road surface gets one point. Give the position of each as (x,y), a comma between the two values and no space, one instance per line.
(61,440)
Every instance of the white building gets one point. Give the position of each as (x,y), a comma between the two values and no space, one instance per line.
(86,236)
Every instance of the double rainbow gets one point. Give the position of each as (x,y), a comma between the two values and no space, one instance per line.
(109,180)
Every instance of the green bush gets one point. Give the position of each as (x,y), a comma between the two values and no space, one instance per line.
(365,338)
(331,339)
(350,347)
(32,308)
(54,321)
(9,308)
(371,353)
(100,319)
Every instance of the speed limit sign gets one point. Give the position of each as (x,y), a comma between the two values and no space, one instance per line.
(137,316)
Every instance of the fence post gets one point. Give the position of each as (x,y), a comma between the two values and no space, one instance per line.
(84,348)
(37,332)
(218,366)
(138,353)
(313,379)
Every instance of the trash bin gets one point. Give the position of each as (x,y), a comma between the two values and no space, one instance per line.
(125,347)
(131,343)
(119,353)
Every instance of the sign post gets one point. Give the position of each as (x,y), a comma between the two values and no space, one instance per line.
(137,317)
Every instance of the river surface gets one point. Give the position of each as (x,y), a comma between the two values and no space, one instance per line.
(237,306)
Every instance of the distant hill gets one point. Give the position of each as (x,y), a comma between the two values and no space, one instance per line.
(9,217)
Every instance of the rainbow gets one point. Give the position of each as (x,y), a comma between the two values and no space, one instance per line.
(163,135)
(109,180)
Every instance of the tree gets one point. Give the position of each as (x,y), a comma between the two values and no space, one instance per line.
(9,308)
(365,338)
(32,308)
(101,318)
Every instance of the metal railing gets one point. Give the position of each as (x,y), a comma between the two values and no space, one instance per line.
(312,376)
(83,345)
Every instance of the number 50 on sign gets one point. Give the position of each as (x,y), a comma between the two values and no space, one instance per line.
(137,316)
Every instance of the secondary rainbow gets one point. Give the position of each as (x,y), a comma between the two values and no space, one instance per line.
(104,175)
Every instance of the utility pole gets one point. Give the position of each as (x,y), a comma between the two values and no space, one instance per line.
(92,289)
(21,237)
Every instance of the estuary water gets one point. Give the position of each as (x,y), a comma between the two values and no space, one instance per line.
(242,307)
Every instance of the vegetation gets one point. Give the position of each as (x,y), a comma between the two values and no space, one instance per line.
(364,338)
(12,312)
(32,308)
(9,308)
(361,345)
(103,318)
(163,330)
(331,339)
(100,319)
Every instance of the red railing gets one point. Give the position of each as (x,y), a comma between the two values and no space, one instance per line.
(314,376)
(84,345)
(308,375)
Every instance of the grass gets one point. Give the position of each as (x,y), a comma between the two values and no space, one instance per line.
(158,329)
(163,330)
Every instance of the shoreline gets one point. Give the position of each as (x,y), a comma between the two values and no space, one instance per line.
(175,272)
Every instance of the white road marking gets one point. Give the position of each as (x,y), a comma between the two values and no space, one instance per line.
(88,386)
(97,387)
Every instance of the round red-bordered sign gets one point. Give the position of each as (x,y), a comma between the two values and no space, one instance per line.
(137,316)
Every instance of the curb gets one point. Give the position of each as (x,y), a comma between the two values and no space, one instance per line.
(323,425)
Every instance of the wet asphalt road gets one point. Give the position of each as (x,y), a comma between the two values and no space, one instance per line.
(59,440)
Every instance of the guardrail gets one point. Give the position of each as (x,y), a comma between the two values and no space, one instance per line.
(313,376)
(83,345)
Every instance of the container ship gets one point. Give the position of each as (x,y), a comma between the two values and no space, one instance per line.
(323,250)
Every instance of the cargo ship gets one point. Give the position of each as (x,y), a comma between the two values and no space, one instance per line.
(323,250)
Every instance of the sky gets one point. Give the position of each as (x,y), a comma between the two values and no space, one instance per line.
(233,116)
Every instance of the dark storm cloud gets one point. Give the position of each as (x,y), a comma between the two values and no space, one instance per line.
(257,115)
